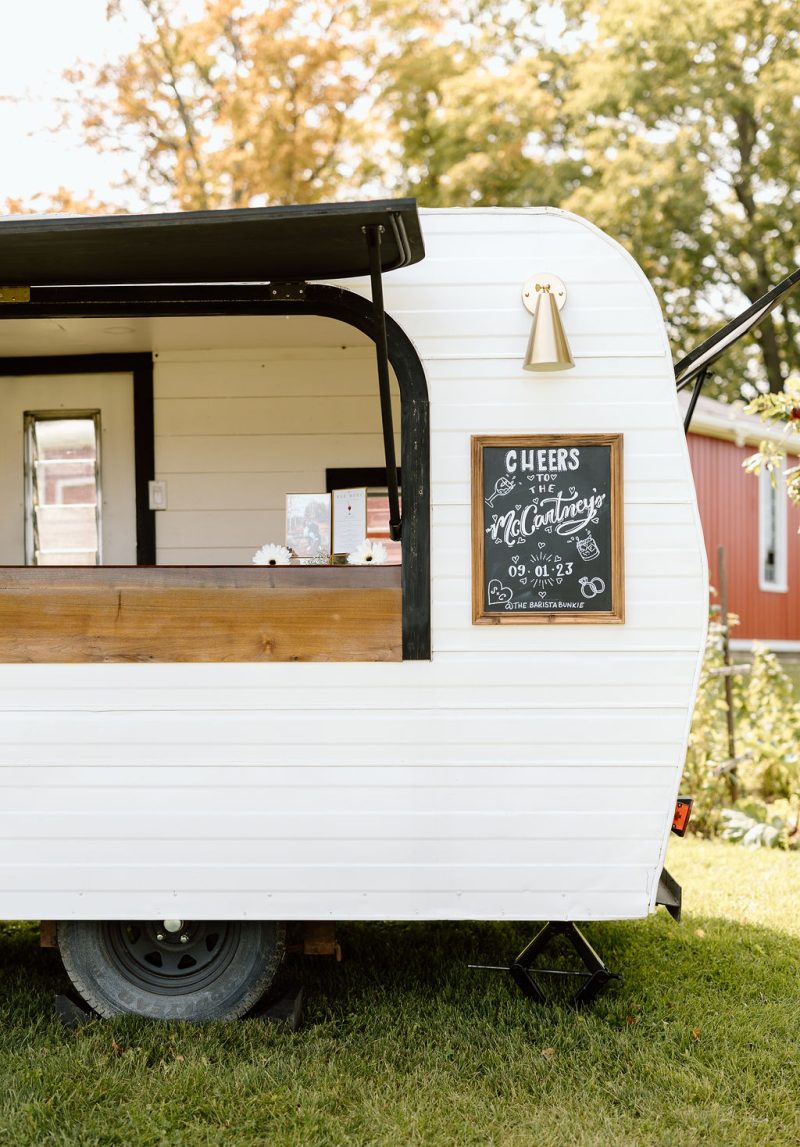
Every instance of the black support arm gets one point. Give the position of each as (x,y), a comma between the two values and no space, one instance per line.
(373,235)
(698,386)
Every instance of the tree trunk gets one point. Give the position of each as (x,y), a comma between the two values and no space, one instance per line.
(768,345)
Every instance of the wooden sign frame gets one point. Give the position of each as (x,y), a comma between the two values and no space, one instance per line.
(614,615)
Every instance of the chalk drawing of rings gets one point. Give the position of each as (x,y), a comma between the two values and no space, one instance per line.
(591,588)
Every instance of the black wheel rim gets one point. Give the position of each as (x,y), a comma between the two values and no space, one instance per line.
(171,963)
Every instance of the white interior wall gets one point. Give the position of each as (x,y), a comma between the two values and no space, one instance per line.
(112,395)
(238,430)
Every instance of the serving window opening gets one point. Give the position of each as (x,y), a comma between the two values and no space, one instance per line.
(245,411)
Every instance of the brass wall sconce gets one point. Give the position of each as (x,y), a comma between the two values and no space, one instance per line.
(543,296)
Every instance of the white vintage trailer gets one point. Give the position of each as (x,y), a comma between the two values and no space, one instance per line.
(187,738)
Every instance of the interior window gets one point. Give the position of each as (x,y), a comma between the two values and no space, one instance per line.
(378,522)
(62,480)
(374,478)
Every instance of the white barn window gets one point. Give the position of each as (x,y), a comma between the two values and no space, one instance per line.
(772,532)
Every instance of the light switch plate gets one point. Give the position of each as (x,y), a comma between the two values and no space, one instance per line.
(157,494)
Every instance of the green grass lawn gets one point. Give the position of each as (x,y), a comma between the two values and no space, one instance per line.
(403,1045)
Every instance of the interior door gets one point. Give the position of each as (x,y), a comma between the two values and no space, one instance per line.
(64,441)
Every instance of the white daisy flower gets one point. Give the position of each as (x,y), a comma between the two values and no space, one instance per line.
(271,555)
(368,553)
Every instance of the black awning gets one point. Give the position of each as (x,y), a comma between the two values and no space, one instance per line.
(254,245)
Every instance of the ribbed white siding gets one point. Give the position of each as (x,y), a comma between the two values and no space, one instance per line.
(525,772)
(237,431)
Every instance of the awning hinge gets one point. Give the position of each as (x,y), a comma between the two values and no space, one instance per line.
(15,294)
(288,292)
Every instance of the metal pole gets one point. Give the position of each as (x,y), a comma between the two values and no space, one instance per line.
(722,577)
(698,386)
(382,351)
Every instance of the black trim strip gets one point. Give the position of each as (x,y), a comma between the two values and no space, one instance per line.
(344,477)
(144,438)
(141,367)
(327,302)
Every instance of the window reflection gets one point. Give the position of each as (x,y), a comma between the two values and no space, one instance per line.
(378,524)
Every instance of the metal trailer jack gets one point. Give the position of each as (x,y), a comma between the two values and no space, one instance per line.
(596,976)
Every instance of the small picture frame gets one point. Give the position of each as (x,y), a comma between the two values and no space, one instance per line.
(308,525)
(349,519)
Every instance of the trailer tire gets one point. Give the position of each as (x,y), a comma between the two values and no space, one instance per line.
(202,972)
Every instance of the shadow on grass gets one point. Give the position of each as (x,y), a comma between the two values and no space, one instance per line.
(403,1044)
(661,962)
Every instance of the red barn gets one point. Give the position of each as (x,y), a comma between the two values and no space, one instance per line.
(753,520)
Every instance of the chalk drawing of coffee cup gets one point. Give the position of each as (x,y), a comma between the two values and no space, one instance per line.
(498,593)
(588,548)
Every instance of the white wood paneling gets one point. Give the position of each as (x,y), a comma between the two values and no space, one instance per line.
(600,373)
(289,800)
(320,877)
(411,775)
(246,454)
(446,727)
(516,268)
(290,849)
(493,297)
(452,449)
(235,434)
(417,825)
(47,681)
(235,493)
(527,772)
(506,347)
(61,901)
(372,754)
(508,690)
(337,414)
(276,374)
(512,323)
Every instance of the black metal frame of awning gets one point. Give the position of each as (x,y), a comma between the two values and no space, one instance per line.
(694,367)
(285,247)
(319,241)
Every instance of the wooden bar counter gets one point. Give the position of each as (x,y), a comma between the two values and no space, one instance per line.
(200,613)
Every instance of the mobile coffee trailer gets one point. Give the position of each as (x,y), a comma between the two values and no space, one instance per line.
(193,748)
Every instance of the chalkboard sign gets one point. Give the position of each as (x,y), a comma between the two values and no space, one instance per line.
(547,540)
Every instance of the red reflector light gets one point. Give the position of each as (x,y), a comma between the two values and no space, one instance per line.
(683,810)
